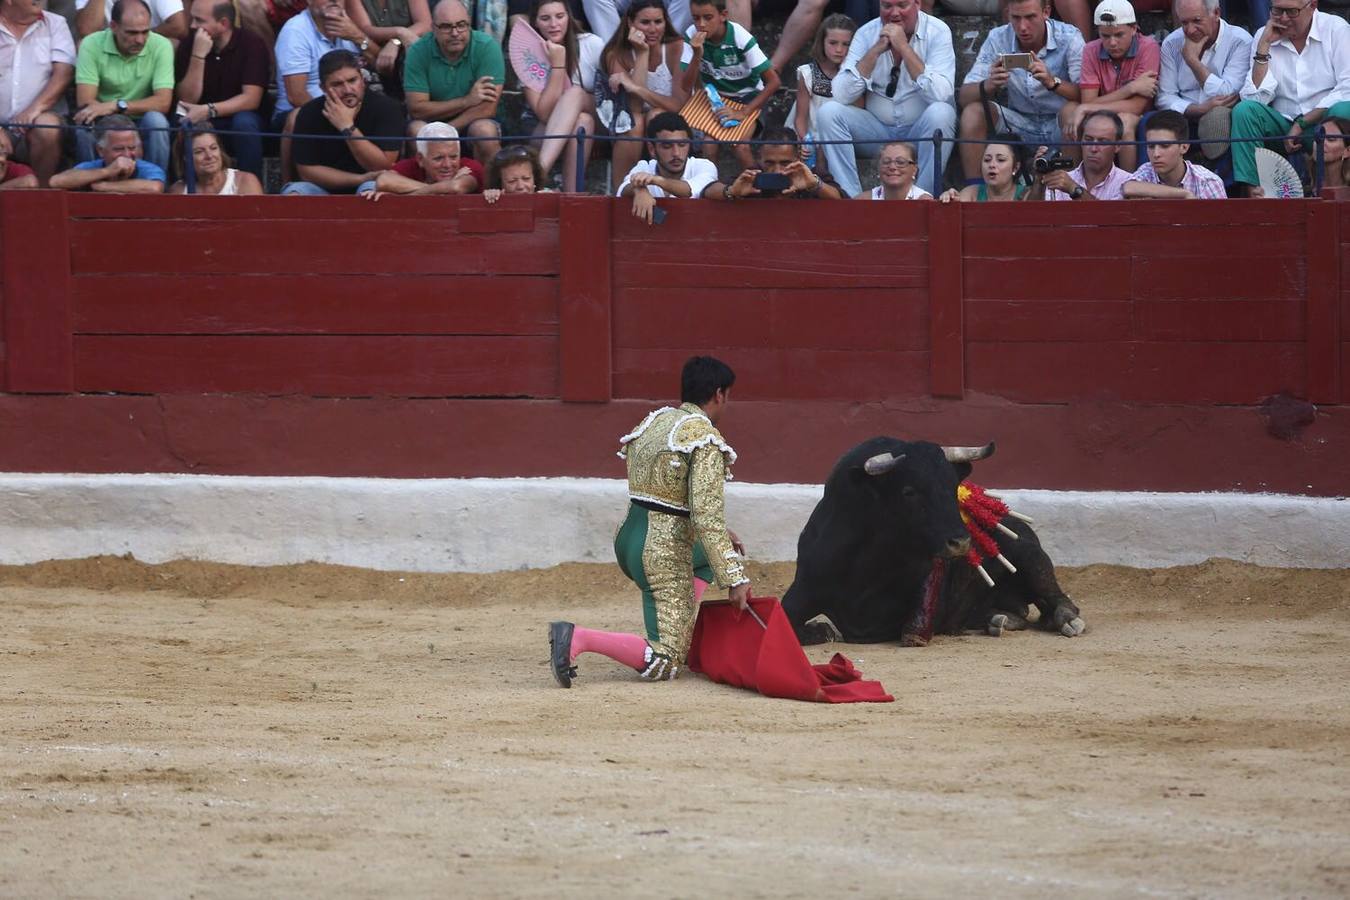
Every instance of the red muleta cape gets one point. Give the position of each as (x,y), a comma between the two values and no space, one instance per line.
(730,647)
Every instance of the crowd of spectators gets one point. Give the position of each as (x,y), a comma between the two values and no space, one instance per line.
(393,97)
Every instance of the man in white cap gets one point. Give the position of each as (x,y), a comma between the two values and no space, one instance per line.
(1119,75)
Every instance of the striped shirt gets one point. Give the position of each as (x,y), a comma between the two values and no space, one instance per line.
(733,65)
(1201,182)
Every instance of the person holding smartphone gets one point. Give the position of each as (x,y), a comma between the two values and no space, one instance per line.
(671,172)
(778,172)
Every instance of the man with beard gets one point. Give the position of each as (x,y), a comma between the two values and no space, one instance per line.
(778,155)
(371,123)
(671,172)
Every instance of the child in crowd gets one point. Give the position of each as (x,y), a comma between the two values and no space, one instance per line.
(828,52)
(725,55)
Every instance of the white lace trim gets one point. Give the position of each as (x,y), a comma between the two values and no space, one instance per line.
(691,446)
(659,502)
(637,432)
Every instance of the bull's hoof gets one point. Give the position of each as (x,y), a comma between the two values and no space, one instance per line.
(820,631)
(913,640)
(1073,628)
(1001,622)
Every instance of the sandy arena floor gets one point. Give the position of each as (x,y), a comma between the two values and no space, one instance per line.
(212,731)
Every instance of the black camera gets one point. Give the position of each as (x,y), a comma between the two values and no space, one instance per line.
(771,182)
(1052,162)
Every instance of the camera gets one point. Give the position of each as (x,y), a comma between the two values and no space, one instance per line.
(1051,162)
(772,182)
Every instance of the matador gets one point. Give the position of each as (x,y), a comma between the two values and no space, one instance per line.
(674,533)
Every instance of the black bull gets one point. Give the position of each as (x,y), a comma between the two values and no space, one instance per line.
(888,514)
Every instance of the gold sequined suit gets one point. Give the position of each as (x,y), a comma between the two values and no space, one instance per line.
(676,525)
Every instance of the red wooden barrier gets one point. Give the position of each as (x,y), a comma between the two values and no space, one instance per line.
(1149,313)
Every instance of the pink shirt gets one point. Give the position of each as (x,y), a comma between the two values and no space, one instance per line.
(1110,188)
(1201,182)
(1100,72)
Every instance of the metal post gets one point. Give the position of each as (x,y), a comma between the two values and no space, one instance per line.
(189,171)
(937,163)
(581,160)
(1319,167)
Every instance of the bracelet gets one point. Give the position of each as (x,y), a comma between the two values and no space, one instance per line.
(726,192)
(1261,57)
(211,110)
(195,56)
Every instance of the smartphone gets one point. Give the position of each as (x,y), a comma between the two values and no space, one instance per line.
(1015,60)
(658,215)
(772,182)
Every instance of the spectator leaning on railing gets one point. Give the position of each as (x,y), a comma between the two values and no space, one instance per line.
(370,123)
(1027,96)
(126,69)
(1001,168)
(896,167)
(1204,65)
(1334,157)
(438,168)
(213,173)
(37,63)
(778,158)
(903,66)
(671,172)
(1300,73)
(513,170)
(119,168)
(222,72)
(455,75)
(13,176)
(1167,175)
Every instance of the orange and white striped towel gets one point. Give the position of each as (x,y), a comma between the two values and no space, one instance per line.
(698,112)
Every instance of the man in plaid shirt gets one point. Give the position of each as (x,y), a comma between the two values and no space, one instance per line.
(1167,175)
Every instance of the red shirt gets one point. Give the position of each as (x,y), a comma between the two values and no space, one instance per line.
(411,168)
(1099,71)
(15,170)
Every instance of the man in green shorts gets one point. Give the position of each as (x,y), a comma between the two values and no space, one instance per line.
(675,530)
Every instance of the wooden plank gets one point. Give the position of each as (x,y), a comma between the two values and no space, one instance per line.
(1168,213)
(326,247)
(584,297)
(1234,278)
(757,263)
(1323,285)
(320,366)
(444,211)
(1048,320)
(1179,372)
(946,293)
(771,220)
(860,319)
(1055,242)
(299,304)
(1063,279)
(770,374)
(1220,320)
(35,262)
(492,219)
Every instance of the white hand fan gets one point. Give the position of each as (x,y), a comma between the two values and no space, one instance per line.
(1278,179)
(529,56)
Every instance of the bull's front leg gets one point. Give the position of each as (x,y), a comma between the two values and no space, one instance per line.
(802,612)
(1036,574)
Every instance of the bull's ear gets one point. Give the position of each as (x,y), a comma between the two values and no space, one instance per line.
(963,470)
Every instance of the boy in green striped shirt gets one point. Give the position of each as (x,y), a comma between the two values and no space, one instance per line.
(727,56)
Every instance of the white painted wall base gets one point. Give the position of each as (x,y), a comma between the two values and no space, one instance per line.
(484,525)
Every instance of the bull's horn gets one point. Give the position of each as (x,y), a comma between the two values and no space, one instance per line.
(968,454)
(882,463)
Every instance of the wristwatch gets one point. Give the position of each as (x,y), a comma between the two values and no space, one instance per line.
(397,42)
(349,131)
(365,44)
(123,106)
(1055,86)
(1076,193)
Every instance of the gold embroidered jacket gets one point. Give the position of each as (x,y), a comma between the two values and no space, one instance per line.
(678,461)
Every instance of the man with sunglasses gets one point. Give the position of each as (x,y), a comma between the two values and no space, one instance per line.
(671,172)
(454,74)
(1300,74)
(903,65)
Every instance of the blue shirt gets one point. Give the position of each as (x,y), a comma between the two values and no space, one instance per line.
(299,47)
(1062,55)
(144,171)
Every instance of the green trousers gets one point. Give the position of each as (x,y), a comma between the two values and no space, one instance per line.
(660,554)
(1256,120)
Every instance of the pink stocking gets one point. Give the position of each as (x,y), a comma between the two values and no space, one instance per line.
(628,649)
(699,587)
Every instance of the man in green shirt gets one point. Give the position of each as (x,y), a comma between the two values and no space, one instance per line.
(125,69)
(455,75)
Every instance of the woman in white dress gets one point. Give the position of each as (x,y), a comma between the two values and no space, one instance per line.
(212,167)
(897,165)
(640,59)
(565,103)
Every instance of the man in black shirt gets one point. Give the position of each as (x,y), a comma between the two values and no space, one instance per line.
(222,73)
(371,123)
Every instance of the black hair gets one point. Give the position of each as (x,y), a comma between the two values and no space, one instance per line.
(334,60)
(702,378)
(1171,121)
(667,121)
